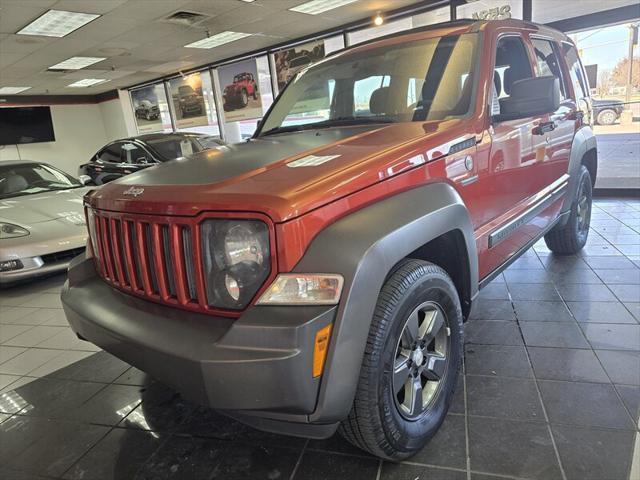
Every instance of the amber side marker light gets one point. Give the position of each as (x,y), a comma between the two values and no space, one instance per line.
(320,348)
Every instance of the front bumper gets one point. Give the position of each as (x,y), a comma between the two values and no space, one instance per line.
(257,367)
(33,267)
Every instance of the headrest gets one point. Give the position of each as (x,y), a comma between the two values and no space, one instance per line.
(379,101)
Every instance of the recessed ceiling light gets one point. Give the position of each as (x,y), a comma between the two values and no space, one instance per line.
(218,39)
(12,90)
(315,7)
(57,23)
(76,63)
(248,1)
(88,82)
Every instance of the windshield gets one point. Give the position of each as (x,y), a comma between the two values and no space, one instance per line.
(30,178)
(430,79)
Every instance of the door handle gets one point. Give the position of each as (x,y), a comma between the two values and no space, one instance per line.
(544,127)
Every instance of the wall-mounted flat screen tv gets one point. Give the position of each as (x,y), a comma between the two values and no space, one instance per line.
(25,125)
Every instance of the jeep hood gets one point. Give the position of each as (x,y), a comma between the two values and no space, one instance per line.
(283,175)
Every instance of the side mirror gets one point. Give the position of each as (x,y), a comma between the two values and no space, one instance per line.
(85,180)
(530,97)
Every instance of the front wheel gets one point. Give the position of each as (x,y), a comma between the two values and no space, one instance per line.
(572,236)
(411,363)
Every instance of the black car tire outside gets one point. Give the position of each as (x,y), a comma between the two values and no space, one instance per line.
(569,238)
(376,422)
(244,98)
(607,116)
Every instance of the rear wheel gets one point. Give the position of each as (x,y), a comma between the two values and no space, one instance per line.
(411,363)
(572,236)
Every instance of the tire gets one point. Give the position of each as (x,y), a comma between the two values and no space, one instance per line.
(244,98)
(381,421)
(607,117)
(569,238)
(255,92)
(148,116)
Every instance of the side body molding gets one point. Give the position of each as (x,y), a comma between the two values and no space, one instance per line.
(364,247)
(583,141)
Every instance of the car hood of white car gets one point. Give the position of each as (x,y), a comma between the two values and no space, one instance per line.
(28,210)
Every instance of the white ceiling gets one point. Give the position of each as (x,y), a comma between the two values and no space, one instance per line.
(141,47)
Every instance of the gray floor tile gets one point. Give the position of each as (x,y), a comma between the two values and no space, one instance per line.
(527,276)
(541,311)
(575,276)
(494,291)
(566,364)
(6,380)
(13,315)
(533,291)
(553,334)
(391,471)
(34,336)
(610,263)
(7,353)
(504,397)
(627,276)
(527,263)
(634,308)
(66,339)
(448,447)
(63,360)
(515,448)
(622,367)
(612,336)
(586,293)
(28,361)
(492,310)
(45,300)
(584,404)
(594,454)
(626,293)
(500,360)
(564,263)
(7,332)
(492,333)
(599,250)
(600,312)
(631,398)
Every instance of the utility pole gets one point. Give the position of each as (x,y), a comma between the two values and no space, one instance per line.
(633,38)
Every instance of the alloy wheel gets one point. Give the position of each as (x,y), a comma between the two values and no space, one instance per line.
(583,211)
(420,359)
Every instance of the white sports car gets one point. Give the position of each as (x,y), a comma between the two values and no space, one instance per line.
(42,222)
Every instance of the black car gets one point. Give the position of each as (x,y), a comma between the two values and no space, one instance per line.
(606,112)
(129,155)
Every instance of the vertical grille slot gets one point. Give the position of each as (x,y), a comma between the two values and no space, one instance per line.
(131,252)
(189,261)
(120,256)
(106,245)
(150,254)
(167,257)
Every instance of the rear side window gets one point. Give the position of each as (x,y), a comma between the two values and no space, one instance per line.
(579,82)
(111,153)
(547,62)
(135,155)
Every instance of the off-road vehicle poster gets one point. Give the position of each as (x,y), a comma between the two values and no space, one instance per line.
(241,99)
(188,101)
(292,60)
(147,109)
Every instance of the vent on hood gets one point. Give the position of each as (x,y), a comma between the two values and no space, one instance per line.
(185,18)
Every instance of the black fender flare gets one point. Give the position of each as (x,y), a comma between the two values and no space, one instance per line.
(364,246)
(583,141)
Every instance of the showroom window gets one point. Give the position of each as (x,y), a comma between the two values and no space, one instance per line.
(151,109)
(547,62)
(545,11)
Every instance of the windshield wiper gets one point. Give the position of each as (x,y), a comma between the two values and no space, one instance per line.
(332,122)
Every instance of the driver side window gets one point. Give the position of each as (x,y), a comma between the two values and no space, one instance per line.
(111,153)
(134,155)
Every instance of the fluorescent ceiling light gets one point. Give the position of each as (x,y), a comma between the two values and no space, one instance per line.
(57,23)
(218,39)
(76,63)
(315,7)
(88,82)
(248,1)
(12,90)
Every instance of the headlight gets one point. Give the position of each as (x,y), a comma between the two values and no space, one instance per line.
(236,260)
(9,230)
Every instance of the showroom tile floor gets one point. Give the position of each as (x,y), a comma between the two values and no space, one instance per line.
(551,389)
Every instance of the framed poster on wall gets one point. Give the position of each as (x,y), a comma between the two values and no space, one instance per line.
(291,60)
(188,101)
(241,99)
(146,108)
